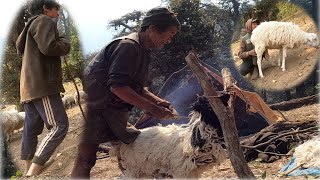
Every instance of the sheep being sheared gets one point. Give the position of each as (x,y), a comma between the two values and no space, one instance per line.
(10,121)
(177,151)
(279,35)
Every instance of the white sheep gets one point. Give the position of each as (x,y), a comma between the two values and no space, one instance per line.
(177,151)
(22,116)
(11,120)
(68,101)
(83,97)
(279,35)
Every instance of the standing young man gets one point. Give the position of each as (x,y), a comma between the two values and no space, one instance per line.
(41,84)
(116,81)
(247,52)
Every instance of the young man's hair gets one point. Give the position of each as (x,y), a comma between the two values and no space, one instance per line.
(35,7)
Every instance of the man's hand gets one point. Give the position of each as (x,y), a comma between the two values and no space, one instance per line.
(252,53)
(161,113)
(164,103)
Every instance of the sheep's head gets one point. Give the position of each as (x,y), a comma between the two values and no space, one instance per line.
(207,137)
(202,108)
(312,40)
(207,114)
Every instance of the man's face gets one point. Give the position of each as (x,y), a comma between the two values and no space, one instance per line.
(159,39)
(52,13)
(254,25)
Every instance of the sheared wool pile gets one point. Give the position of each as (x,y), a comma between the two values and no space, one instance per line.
(309,153)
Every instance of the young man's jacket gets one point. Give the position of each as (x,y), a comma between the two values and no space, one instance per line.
(41,48)
(123,62)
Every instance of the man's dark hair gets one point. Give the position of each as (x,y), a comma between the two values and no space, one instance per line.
(36,6)
(161,18)
(159,28)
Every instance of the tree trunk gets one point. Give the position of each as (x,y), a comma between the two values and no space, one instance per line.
(315,10)
(66,24)
(236,5)
(295,103)
(226,119)
(236,20)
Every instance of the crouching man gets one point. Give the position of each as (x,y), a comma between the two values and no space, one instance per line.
(247,52)
(116,81)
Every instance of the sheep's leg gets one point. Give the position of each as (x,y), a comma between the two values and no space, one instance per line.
(259,50)
(280,56)
(259,58)
(284,54)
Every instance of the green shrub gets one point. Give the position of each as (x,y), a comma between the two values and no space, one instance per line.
(17,175)
(286,9)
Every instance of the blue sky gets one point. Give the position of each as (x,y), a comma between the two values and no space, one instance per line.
(2,41)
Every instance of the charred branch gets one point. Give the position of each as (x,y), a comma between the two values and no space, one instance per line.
(295,103)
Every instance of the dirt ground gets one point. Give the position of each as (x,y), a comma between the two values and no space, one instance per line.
(107,168)
(300,62)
